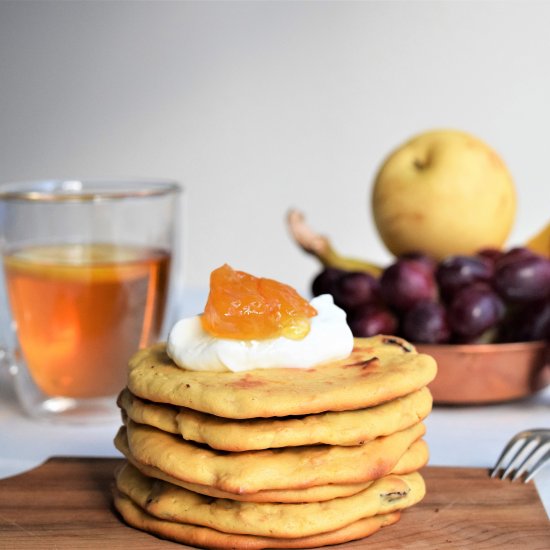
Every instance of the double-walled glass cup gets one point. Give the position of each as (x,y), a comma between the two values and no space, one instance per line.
(85,283)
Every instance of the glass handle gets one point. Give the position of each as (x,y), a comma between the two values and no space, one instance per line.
(7,332)
(6,361)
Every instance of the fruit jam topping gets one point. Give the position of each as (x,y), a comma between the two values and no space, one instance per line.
(241,306)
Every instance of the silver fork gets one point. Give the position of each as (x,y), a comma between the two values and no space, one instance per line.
(526,453)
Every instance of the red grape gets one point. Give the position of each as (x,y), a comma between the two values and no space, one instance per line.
(473,310)
(324,282)
(523,280)
(426,323)
(428,261)
(353,289)
(371,319)
(528,323)
(407,282)
(492,254)
(456,272)
(514,255)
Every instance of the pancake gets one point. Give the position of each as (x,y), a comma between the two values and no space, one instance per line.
(170,502)
(252,471)
(205,537)
(414,458)
(378,370)
(331,428)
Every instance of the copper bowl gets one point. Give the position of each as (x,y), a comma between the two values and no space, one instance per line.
(473,374)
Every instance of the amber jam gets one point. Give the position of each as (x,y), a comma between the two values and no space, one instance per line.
(241,306)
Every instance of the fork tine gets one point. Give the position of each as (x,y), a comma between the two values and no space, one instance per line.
(524,466)
(504,455)
(543,460)
(516,458)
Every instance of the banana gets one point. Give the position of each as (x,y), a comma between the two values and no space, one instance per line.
(540,243)
(320,247)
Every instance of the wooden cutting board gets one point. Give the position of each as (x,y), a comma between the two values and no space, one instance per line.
(66,504)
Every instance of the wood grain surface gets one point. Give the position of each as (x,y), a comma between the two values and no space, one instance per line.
(66,504)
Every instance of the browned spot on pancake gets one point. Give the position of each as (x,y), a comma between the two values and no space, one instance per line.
(369,366)
(365,364)
(405,346)
(247,381)
(380,468)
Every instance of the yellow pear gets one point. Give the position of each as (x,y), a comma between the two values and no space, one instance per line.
(443,192)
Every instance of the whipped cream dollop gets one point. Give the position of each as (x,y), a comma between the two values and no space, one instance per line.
(329,339)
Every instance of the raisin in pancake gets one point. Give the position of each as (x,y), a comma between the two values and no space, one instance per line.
(414,458)
(169,502)
(332,428)
(204,537)
(252,471)
(379,369)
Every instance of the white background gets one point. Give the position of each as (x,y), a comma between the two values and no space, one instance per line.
(260,106)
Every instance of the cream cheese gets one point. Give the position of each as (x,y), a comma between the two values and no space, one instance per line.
(329,339)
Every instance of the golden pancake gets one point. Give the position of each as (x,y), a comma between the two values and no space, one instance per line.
(169,502)
(252,471)
(414,458)
(378,370)
(204,537)
(332,428)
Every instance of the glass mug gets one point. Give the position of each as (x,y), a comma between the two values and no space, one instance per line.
(85,283)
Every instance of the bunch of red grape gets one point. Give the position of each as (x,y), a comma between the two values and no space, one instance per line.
(493,296)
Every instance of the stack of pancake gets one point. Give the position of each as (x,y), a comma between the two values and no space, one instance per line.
(274,458)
